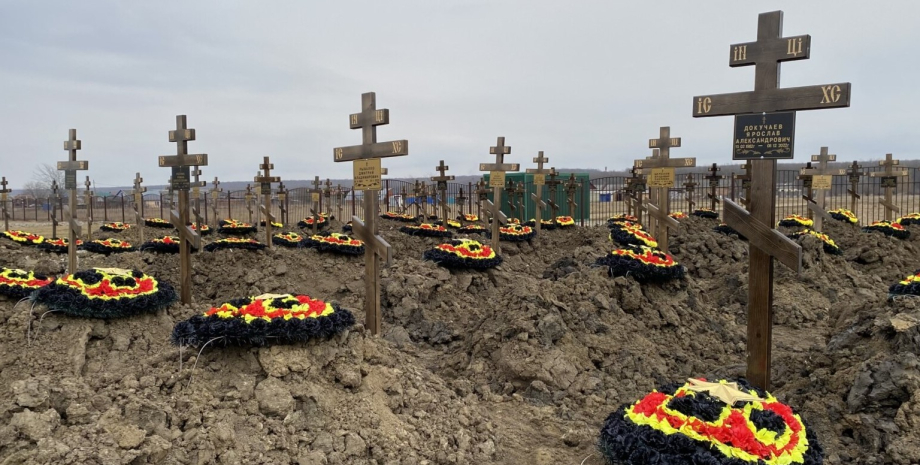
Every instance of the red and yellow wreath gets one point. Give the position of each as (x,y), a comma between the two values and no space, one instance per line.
(275,224)
(678,215)
(828,244)
(645,264)
(793,221)
(288,239)
(544,224)
(108,246)
(842,214)
(23,237)
(464,253)
(909,219)
(235,243)
(335,242)
(106,293)
(115,226)
(454,224)
(56,245)
(516,233)
(396,216)
(165,244)
(623,218)
(157,223)
(17,284)
(907,286)
(705,213)
(711,423)
(565,221)
(235,227)
(264,320)
(426,230)
(472,229)
(468,217)
(205,229)
(321,222)
(888,228)
(508,221)
(632,234)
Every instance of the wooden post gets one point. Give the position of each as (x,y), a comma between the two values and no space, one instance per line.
(497,172)
(215,200)
(197,184)
(571,188)
(4,198)
(660,171)
(247,197)
(282,202)
(70,168)
(442,179)
(367,156)
(539,180)
(55,199)
(806,184)
(88,205)
(889,181)
(766,54)
(854,174)
(553,182)
(519,192)
(714,180)
(138,201)
(689,186)
(315,198)
(181,181)
(265,186)
(822,179)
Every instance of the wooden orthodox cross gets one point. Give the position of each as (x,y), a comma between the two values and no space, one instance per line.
(215,199)
(55,198)
(70,168)
(571,188)
(257,192)
(822,179)
(553,182)
(745,184)
(689,186)
(197,184)
(482,194)
(539,180)
(519,193)
(180,164)
(889,181)
(766,54)
(368,155)
(660,171)
(442,179)
(460,199)
(497,172)
(4,198)
(265,182)
(282,202)
(714,180)
(88,204)
(418,193)
(509,189)
(635,188)
(853,173)
(315,198)
(138,205)
(339,199)
(248,198)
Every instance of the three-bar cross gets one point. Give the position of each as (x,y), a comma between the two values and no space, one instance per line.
(442,179)
(4,197)
(70,168)
(139,205)
(689,186)
(539,180)
(714,180)
(889,182)
(497,172)
(265,182)
(215,197)
(821,180)
(854,173)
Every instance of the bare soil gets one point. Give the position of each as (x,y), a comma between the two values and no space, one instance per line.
(520,364)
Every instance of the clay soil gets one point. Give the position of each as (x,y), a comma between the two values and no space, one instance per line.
(517,365)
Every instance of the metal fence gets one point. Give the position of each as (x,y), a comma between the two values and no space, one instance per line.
(607,198)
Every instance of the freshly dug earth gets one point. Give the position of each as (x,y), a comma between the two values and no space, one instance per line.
(519,364)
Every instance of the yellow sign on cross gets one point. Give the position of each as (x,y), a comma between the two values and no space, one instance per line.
(497,179)
(661,177)
(539,180)
(367,174)
(821,182)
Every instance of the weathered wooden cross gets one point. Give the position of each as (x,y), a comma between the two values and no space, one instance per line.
(326,205)
(889,181)
(4,197)
(139,205)
(369,153)
(88,205)
(509,190)
(215,198)
(460,199)
(265,183)
(660,170)
(70,168)
(418,194)
(689,186)
(282,202)
(315,198)
(745,184)
(519,194)
(482,194)
(248,196)
(197,184)
(854,173)
(635,189)
(714,180)
(497,172)
(442,179)
(55,199)
(180,164)
(822,178)
(571,189)
(553,182)
(766,54)
(539,180)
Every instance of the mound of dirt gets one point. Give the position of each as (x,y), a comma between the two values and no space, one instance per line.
(517,364)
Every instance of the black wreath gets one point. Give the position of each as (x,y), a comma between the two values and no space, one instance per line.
(96,247)
(841,217)
(513,237)
(888,231)
(791,223)
(623,265)
(107,228)
(728,231)
(912,288)
(624,442)
(203,232)
(221,244)
(322,223)
(624,237)
(227,228)
(157,224)
(705,214)
(162,247)
(547,225)
(19,292)
(471,229)
(418,231)
(450,260)
(907,221)
(347,227)
(403,218)
(54,248)
(329,247)
(199,329)
(283,241)
(65,299)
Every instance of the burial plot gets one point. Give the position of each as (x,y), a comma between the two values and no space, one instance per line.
(265,182)
(4,198)
(822,179)
(497,172)
(70,168)
(889,181)
(539,180)
(180,180)
(367,157)
(772,108)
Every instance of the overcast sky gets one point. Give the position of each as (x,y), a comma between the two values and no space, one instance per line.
(587,82)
